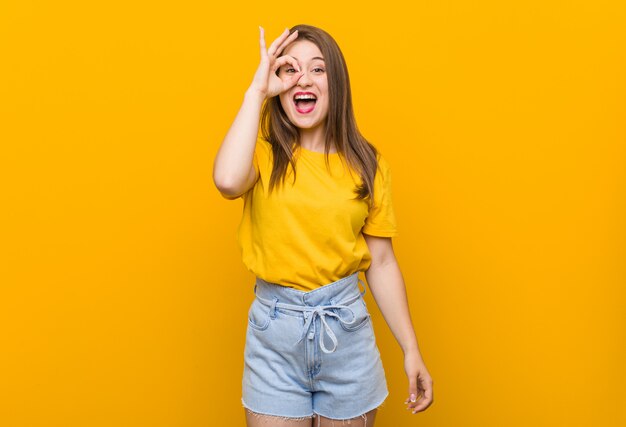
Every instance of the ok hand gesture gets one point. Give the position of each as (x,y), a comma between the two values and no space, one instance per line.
(265,81)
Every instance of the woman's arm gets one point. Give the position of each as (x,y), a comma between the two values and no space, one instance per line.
(387,286)
(233,170)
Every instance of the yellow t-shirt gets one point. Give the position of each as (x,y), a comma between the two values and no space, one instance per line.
(309,234)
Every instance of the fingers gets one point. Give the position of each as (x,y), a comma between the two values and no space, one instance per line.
(412,389)
(262,42)
(410,401)
(285,59)
(285,43)
(274,46)
(414,402)
(292,81)
(278,45)
(281,42)
(412,397)
(425,401)
(425,392)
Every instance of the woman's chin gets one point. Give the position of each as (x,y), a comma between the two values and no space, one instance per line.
(305,125)
(305,122)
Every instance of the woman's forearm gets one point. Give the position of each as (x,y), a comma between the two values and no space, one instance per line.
(387,286)
(233,163)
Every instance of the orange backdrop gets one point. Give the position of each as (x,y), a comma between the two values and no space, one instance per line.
(122,293)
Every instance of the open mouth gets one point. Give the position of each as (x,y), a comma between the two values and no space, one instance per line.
(305,102)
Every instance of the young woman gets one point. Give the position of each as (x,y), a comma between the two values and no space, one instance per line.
(317,211)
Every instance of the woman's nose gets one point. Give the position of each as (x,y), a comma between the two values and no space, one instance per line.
(304,80)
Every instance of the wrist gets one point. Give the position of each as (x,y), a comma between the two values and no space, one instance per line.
(412,350)
(255,94)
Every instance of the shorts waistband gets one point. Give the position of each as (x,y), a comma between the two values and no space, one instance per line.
(319,302)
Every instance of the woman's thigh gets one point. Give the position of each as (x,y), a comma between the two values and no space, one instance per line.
(365,420)
(261,420)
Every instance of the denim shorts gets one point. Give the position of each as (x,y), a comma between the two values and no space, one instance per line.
(312,352)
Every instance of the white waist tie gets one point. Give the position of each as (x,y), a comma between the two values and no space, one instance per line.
(309,314)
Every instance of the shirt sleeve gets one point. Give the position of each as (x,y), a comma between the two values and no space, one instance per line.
(381,219)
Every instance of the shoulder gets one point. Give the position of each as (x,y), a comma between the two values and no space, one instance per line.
(382,161)
(384,168)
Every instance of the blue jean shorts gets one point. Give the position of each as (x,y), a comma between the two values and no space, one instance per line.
(313,352)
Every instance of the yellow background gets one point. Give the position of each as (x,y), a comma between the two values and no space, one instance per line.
(123,296)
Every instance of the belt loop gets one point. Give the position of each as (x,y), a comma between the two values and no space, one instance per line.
(273,308)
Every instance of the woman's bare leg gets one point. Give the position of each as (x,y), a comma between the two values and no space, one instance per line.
(254,419)
(365,420)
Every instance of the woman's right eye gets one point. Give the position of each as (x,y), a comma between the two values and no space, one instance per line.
(289,70)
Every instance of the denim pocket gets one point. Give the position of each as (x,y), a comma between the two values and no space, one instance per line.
(259,316)
(361,315)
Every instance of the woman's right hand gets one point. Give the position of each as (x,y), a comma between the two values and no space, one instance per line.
(265,81)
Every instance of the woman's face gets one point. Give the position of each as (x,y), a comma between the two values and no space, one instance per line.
(306,103)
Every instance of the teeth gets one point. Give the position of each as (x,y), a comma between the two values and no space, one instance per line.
(305,97)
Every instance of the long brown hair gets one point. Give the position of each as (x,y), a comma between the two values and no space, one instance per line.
(341,128)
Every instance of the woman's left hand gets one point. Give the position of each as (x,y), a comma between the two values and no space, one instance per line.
(420,382)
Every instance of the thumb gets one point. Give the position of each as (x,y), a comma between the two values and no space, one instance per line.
(412,389)
(293,80)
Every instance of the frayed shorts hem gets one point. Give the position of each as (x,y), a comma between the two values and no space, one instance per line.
(315,414)
(361,413)
(294,418)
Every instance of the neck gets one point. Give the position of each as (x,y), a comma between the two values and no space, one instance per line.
(314,139)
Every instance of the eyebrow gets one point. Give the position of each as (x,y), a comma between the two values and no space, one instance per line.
(317,57)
